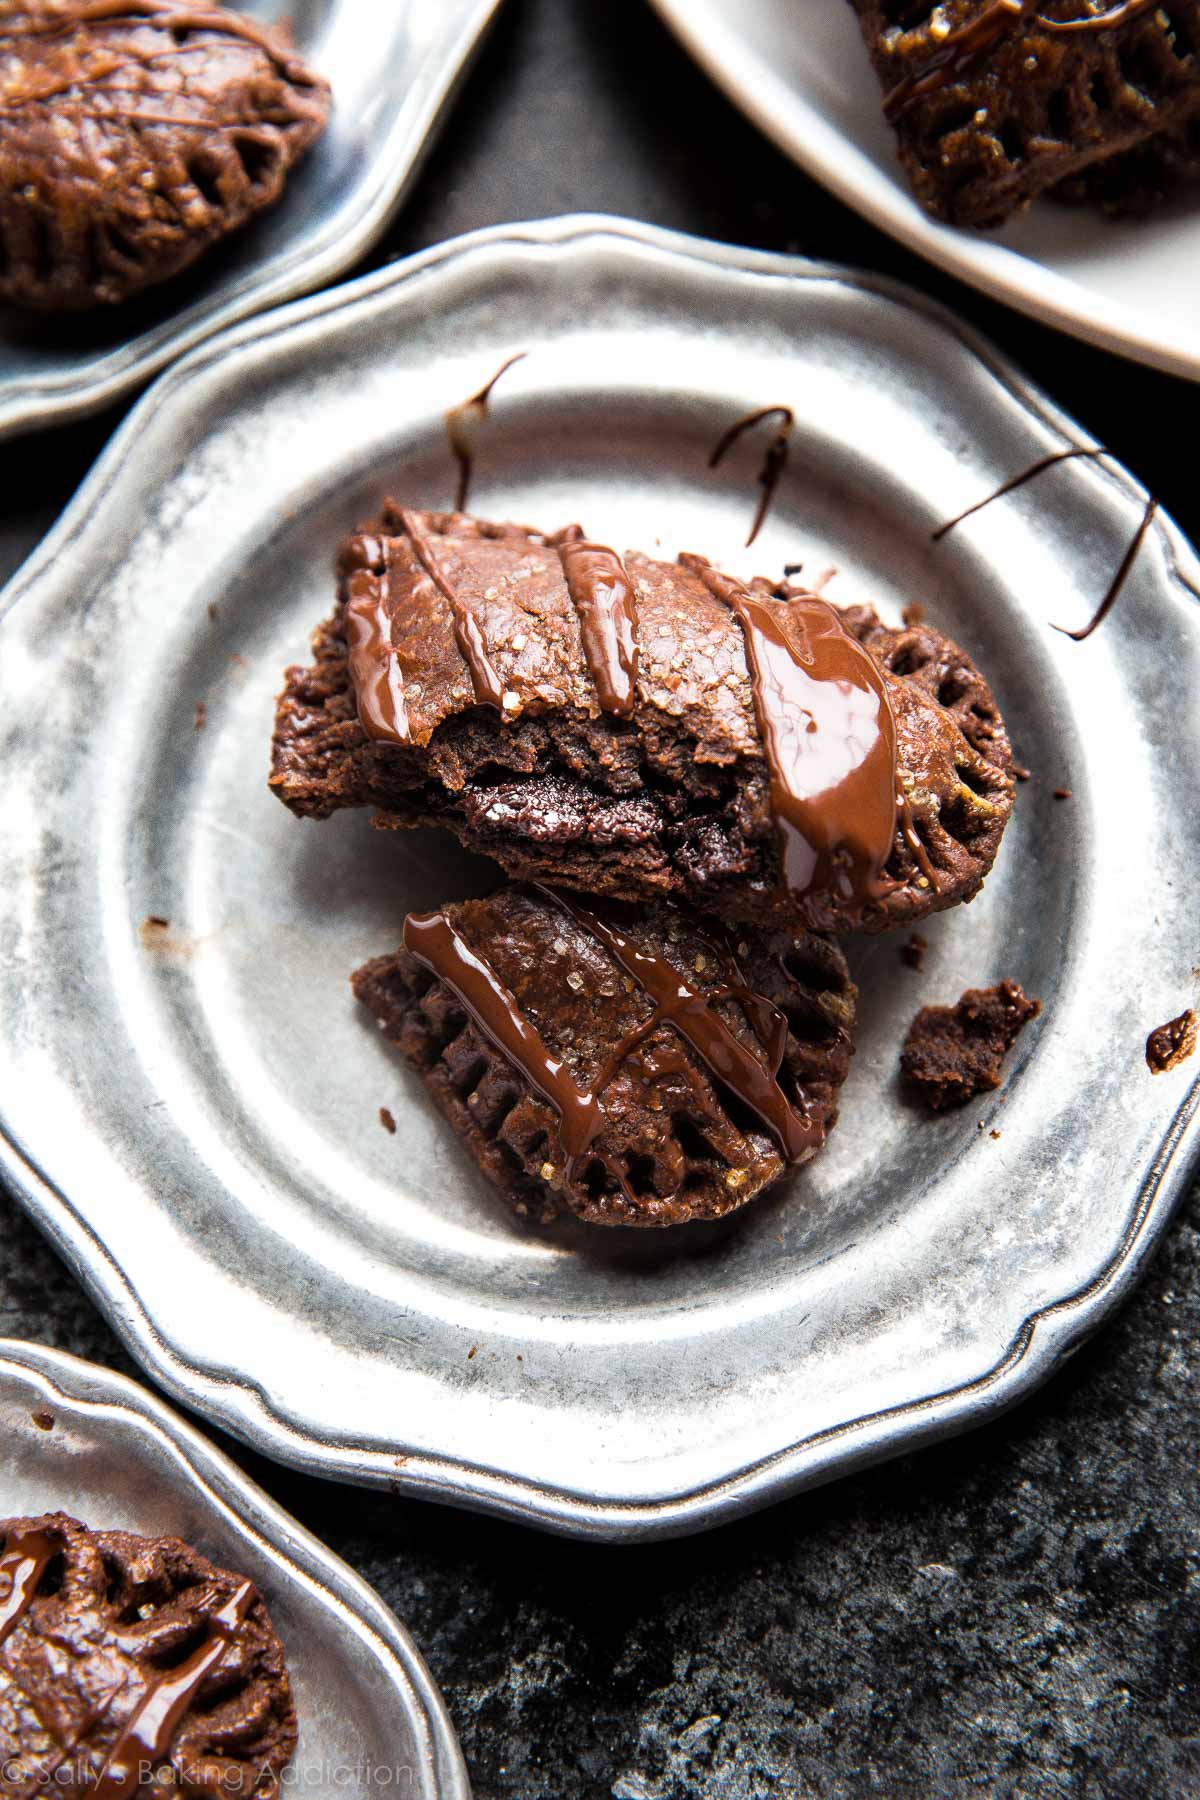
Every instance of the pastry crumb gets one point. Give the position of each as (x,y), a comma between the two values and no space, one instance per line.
(952,1053)
(1171,1044)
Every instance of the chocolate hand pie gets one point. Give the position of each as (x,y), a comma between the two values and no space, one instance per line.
(130,1662)
(646,730)
(997,101)
(630,1064)
(134,135)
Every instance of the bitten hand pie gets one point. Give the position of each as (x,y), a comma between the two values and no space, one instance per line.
(645,729)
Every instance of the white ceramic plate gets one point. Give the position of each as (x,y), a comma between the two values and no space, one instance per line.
(798,68)
(193,1110)
(117,1458)
(393,66)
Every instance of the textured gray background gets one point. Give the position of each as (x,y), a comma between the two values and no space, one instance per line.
(1013,1614)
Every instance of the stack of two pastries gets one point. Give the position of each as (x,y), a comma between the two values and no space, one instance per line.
(695,785)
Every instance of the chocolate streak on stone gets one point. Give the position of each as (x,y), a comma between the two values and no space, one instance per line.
(26,1559)
(436,944)
(828,736)
(463,421)
(602,596)
(1172,1043)
(149,1735)
(374,671)
(961,49)
(468,634)
(774,459)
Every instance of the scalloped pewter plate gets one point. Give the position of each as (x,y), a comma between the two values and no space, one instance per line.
(1131,286)
(192,1111)
(118,1459)
(393,69)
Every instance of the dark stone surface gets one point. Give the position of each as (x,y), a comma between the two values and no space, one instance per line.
(1017,1613)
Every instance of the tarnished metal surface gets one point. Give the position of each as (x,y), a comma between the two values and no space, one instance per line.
(393,68)
(116,1458)
(191,1111)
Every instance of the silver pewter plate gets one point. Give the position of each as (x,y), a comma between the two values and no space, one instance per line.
(798,68)
(117,1458)
(393,69)
(191,1110)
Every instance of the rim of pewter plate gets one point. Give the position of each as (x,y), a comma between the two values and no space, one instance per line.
(209,303)
(90,1398)
(1039,1342)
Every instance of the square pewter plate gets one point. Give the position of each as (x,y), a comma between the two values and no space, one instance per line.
(192,1113)
(393,69)
(119,1460)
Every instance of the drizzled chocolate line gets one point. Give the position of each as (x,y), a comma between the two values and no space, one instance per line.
(440,948)
(692,1013)
(1118,581)
(468,633)
(462,423)
(149,1735)
(1105,21)
(44,1777)
(828,736)
(1122,575)
(374,670)
(774,458)
(27,1555)
(676,1001)
(956,55)
(961,49)
(602,595)
(1012,484)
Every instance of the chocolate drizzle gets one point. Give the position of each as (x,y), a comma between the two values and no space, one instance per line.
(462,423)
(774,457)
(1119,579)
(602,595)
(828,736)
(1108,20)
(150,1733)
(961,49)
(434,941)
(956,55)
(676,1001)
(1013,483)
(468,633)
(27,1555)
(1123,572)
(374,669)
(679,1003)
